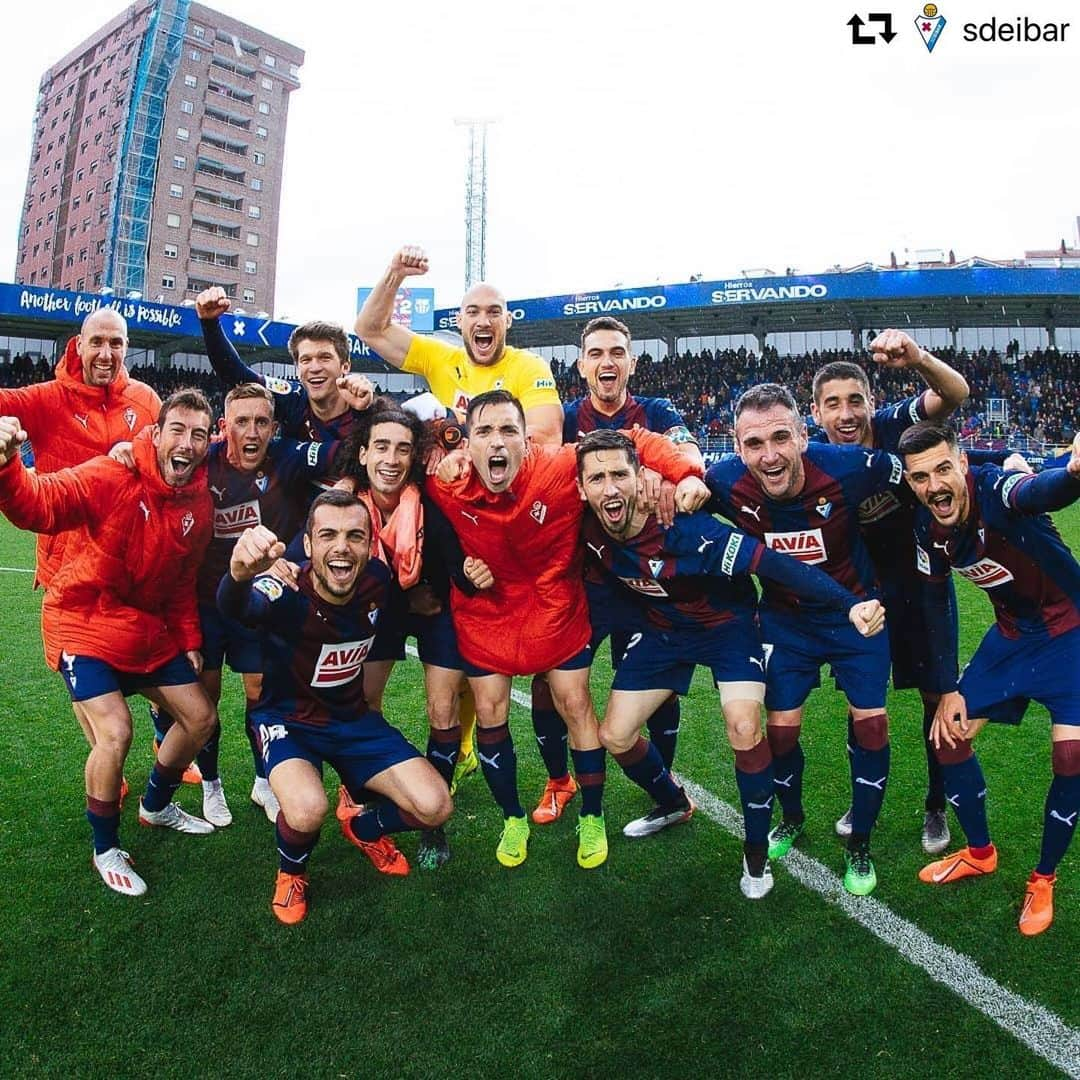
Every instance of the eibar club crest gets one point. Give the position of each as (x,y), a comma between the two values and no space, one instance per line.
(129,418)
(187,522)
(538,512)
(930,24)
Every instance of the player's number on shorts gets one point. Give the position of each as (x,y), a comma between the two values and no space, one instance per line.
(635,639)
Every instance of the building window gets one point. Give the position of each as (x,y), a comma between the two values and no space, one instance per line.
(197,30)
(187,107)
(259,157)
(294,71)
(170,249)
(168,281)
(179,161)
(269,61)
(172,220)
(252,239)
(254,211)
(183,134)
(82,254)
(195,55)
(267,84)
(261,132)
(250,266)
(80,284)
(176,191)
(256,184)
(190,80)
(249,296)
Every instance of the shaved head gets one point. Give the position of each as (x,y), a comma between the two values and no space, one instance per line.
(484,322)
(102,346)
(483,293)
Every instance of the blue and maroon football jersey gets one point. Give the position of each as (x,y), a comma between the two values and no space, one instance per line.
(695,575)
(275,495)
(1010,548)
(313,651)
(820,526)
(651,413)
(292,410)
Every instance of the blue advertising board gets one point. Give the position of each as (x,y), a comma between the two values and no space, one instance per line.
(413,308)
(819,288)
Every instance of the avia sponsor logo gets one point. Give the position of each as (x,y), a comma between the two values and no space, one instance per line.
(645,586)
(231,521)
(591,304)
(986,573)
(742,292)
(340,664)
(807,546)
(877,507)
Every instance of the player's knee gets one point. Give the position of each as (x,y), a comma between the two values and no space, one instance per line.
(576,709)
(432,804)
(782,739)
(743,730)
(1065,757)
(953,755)
(872,732)
(114,739)
(541,694)
(442,711)
(614,739)
(305,810)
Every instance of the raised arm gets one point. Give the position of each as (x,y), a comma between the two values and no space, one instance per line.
(946,390)
(50,503)
(1052,489)
(210,305)
(374,326)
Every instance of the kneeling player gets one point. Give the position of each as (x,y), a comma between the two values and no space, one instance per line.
(992,527)
(694,581)
(312,708)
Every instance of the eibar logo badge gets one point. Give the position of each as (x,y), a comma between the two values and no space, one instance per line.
(538,512)
(930,24)
(824,508)
(655,566)
(187,522)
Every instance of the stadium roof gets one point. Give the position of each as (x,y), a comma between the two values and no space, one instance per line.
(976,294)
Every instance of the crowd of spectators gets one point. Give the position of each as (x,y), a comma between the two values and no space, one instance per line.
(1041,388)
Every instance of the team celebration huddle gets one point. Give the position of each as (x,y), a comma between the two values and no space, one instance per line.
(306,536)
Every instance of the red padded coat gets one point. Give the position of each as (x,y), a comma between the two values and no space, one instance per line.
(125,593)
(69,422)
(535,617)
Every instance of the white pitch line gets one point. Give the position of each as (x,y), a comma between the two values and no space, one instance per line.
(1040,1030)
(15,570)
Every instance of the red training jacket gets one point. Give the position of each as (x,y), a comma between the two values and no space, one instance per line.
(69,422)
(535,617)
(125,593)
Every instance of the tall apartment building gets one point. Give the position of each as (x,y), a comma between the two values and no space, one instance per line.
(157,157)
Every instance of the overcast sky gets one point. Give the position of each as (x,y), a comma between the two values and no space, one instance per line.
(634,141)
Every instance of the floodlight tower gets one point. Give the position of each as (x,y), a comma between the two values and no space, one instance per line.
(476,201)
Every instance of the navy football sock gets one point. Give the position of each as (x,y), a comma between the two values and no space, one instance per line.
(253,739)
(663,728)
(550,729)
(935,789)
(788,766)
(643,764)
(161,787)
(869,771)
(1059,821)
(294,846)
(104,818)
(966,791)
(754,777)
(495,748)
(162,721)
(380,819)
(442,750)
(207,757)
(589,772)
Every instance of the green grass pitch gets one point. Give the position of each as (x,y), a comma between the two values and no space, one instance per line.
(652,966)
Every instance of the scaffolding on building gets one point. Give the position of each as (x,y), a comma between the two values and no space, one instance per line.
(128,240)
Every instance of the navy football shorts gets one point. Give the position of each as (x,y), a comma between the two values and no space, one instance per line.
(87,677)
(1005,674)
(797,645)
(355,749)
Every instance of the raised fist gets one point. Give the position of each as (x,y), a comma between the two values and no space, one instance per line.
(409,261)
(212,303)
(256,550)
